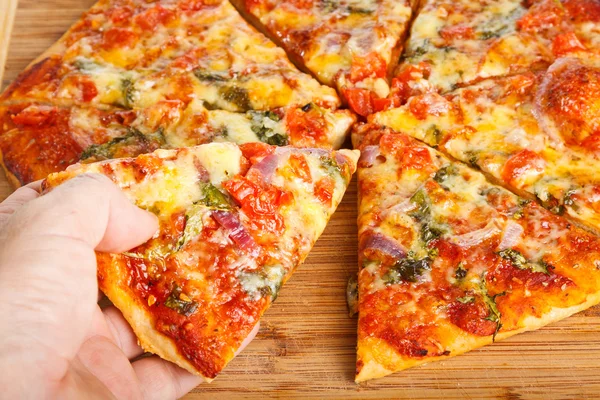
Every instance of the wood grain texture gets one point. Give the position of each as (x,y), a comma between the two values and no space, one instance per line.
(306,344)
(7,16)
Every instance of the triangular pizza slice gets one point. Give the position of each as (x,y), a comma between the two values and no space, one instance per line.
(537,134)
(449,262)
(349,44)
(234,224)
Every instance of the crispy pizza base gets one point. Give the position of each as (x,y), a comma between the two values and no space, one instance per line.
(379,359)
(112,281)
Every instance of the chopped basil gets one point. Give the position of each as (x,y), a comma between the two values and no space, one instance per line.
(84,64)
(490,301)
(214,198)
(193,225)
(331,166)
(360,10)
(212,76)
(492,33)
(568,199)
(236,95)
(519,261)
(408,269)
(421,200)
(551,203)
(431,231)
(466,299)
(264,124)
(444,173)
(128,90)
(352,295)
(263,283)
(433,134)
(134,140)
(460,273)
(472,158)
(179,302)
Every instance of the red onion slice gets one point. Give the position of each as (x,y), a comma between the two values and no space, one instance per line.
(379,243)
(368,156)
(474,238)
(511,235)
(237,232)
(267,166)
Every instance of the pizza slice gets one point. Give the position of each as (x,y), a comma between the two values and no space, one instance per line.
(349,44)
(449,262)
(538,135)
(455,43)
(234,224)
(135,55)
(37,139)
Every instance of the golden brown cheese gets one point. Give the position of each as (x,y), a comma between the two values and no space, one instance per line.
(449,262)
(538,135)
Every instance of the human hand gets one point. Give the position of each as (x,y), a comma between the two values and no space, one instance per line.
(55,341)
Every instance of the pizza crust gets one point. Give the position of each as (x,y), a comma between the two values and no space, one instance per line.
(371,350)
(111,278)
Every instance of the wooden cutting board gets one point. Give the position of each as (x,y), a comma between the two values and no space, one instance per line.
(306,344)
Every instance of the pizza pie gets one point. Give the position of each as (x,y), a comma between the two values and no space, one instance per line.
(538,135)
(193,70)
(37,138)
(456,43)
(449,262)
(234,224)
(349,44)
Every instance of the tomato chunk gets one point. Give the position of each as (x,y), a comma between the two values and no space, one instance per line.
(359,101)
(565,43)
(522,163)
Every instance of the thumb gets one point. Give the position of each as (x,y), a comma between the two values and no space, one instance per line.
(47,262)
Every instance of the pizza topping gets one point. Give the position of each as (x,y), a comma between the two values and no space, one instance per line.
(428,104)
(132,143)
(408,269)
(212,197)
(565,43)
(180,302)
(263,283)
(474,238)
(523,167)
(236,95)
(519,261)
(265,124)
(376,245)
(236,231)
(511,234)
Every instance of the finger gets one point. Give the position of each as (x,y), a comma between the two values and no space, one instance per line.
(48,264)
(160,379)
(21,196)
(91,208)
(103,359)
(122,333)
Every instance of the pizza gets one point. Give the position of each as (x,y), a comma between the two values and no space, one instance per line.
(537,134)
(456,43)
(449,262)
(37,138)
(195,70)
(349,44)
(234,224)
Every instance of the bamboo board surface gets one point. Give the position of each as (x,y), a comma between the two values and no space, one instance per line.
(306,344)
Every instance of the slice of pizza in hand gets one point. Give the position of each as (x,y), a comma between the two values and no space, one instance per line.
(349,44)
(449,262)
(234,224)
(539,134)
(455,43)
